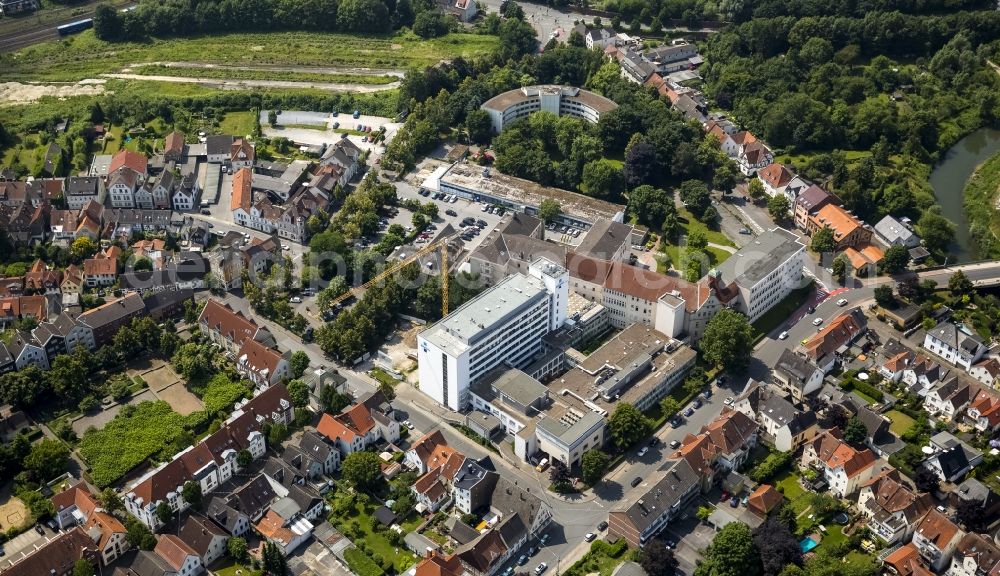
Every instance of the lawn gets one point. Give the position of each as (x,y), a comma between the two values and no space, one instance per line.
(238,123)
(691,224)
(357,525)
(230,569)
(601,559)
(780,313)
(131,438)
(900,422)
(28,154)
(84,56)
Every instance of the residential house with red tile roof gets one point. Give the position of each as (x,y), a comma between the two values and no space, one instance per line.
(173,146)
(848,230)
(56,556)
(241,201)
(975,555)
(905,561)
(436,564)
(763,500)
(241,153)
(428,452)
(892,508)
(213,460)
(16,308)
(203,536)
(230,328)
(841,331)
(987,371)
(843,467)
(370,420)
(126,174)
(262,365)
(984,410)
(936,538)
(183,560)
(775,177)
(102,269)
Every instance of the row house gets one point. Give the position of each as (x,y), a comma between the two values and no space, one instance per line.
(186,195)
(261,365)
(72,282)
(936,539)
(951,459)
(987,371)
(212,461)
(127,174)
(776,177)
(956,343)
(749,153)
(79,190)
(63,335)
(808,203)
(234,152)
(781,423)
(975,555)
(321,451)
(905,561)
(843,467)
(848,230)
(362,425)
(26,351)
(893,510)
(839,332)
(102,269)
(340,161)
(229,328)
(688,472)
(56,556)
(23,224)
(16,308)
(77,506)
(796,375)
(204,537)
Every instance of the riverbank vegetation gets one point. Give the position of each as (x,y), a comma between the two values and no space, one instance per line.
(981,194)
(863,103)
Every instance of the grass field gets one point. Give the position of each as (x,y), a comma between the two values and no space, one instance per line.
(84,56)
(241,123)
(263,74)
(900,422)
(375,542)
(782,311)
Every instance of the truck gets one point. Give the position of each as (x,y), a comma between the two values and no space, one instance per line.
(542,465)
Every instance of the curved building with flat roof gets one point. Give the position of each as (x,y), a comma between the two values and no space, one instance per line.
(559,100)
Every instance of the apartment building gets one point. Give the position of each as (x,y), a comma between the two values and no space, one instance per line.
(843,467)
(892,509)
(956,343)
(764,271)
(504,324)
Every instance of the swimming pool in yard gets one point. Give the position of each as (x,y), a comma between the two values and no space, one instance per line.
(807,544)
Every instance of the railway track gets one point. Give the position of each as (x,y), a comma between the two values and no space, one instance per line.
(33,33)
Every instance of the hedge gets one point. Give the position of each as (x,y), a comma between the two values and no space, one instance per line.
(775,463)
(361,564)
(864,388)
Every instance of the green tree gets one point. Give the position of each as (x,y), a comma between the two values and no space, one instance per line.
(362,470)
(244,458)
(163,512)
(190,361)
(755,189)
(694,194)
(299,362)
(669,406)
(657,559)
(120,387)
(650,206)
(362,16)
(47,459)
(83,567)
(936,231)
(108,23)
(82,248)
(895,259)
(823,241)
(549,209)
(627,425)
(697,240)
(298,392)
(959,284)
(272,118)
(840,266)
(601,179)
(855,433)
(332,400)
(778,207)
(728,341)
(191,492)
(111,501)
(517,38)
(138,535)
(593,463)
(237,548)
(884,296)
(479,126)
(277,434)
(732,553)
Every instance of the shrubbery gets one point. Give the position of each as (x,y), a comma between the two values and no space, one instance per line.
(774,464)
(362,564)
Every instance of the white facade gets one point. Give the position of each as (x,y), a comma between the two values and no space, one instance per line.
(765,271)
(955,343)
(559,100)
(504,324)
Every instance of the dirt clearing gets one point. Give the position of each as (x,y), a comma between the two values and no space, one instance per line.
(18,93)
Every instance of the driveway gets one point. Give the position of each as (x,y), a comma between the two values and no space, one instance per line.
(23,545)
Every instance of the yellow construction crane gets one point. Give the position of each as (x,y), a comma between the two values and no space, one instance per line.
(441,244)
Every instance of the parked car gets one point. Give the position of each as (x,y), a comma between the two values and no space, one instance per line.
(817,321)
(295,300)
(734,501)
(697,403)
(689,411)
(811,309)
(451,212)
(670,544)
(636,481)
(642,451)
(39,529)
(676,421)
(603,525)
(783,335)
(728,401)
(842,302)
(543,540)
(541,568)
(654,441)
(590,537)
(675,444)
(744,231)
(522,560)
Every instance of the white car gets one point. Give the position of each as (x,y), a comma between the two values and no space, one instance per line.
(642,452)
(295,300)
(783,335)
(817,321)
(728,401)
(842,302)
(590,537)
(286,247)
(541,568)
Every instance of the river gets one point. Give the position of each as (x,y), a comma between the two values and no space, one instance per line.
(948,181)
